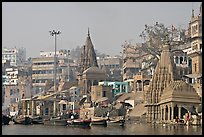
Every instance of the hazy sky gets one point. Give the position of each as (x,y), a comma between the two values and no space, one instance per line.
(27,24)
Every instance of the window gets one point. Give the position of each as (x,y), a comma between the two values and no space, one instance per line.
(195,66)
(176,60)
(104,94)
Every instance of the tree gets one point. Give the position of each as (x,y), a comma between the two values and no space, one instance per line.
(156,36)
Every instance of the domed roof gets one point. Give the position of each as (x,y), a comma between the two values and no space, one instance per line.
(94,70)
(180,91)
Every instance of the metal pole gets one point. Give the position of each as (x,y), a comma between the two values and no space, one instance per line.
(68,79)
(54,33)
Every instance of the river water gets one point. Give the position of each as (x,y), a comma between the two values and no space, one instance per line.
(129,129)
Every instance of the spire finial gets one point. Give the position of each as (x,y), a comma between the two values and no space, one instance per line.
(192,11)
(88,32)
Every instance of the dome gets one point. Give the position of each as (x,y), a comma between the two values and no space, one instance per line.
(94,70)
(179,91)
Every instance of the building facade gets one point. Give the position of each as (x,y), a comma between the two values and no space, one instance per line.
(16,56)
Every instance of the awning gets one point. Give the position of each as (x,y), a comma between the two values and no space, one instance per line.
(194,75)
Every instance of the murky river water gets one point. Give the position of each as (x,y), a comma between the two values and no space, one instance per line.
(129,129)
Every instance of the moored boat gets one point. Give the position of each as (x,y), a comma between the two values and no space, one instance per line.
(79,122)
(116,122)
(99,121)
(37,120)
(55,121)
(25,120)
(5,119)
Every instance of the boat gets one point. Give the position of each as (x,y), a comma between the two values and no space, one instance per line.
(5,119)
(116,122)
(37,120)
(25,120)
(79,122)
(99,121)
(57,121)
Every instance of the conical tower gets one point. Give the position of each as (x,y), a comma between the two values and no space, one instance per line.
(88,55)
(163,75)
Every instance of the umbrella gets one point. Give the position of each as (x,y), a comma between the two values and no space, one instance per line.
(81,102)
(126,104)
(62,102)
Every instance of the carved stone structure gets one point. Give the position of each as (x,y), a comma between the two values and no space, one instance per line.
(162,77)
(89,73)
(167,96)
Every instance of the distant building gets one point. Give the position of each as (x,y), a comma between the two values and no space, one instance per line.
(132,60)
(195,32)
(16,56)
(112,66)
(43,72)
(17,86)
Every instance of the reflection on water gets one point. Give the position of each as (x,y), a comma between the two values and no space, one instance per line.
(129,129)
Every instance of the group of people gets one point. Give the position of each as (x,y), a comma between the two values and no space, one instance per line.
(186,121)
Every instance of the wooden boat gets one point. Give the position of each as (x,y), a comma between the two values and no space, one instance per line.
(23,120)
(116,122)
(5,120)
(99,121)
(37,120)
(79,122)
(58,121)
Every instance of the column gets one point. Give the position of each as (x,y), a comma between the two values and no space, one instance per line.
(178,60)
(161,107)
(172,112)
(142,86)
(179,112)
(28,108)
(168,113)
(164,114)
(121,88)
(174,59)
(32,112)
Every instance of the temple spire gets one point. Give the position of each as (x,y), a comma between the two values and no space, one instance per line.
(192,11)
(88,32)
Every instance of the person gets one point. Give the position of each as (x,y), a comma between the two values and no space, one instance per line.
(108,114)
(177,119)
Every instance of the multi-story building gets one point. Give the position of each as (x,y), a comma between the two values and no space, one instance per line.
(132,60)
(112,66)
(17,85)
(195,31)
(43,72)
(16,56)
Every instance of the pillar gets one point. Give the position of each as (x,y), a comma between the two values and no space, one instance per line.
(142,86)
(161,116)
(179,112)
(179,60)
(33,108)
(168,113)
(121,88)
(172,112)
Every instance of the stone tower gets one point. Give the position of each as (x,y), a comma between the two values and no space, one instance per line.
(88,55)
(87,60)
(163,75)
(195,28)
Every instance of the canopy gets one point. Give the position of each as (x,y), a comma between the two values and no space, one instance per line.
(102,99)
(62,102)
(194,75)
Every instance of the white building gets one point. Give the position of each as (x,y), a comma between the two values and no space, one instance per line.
(16,56)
